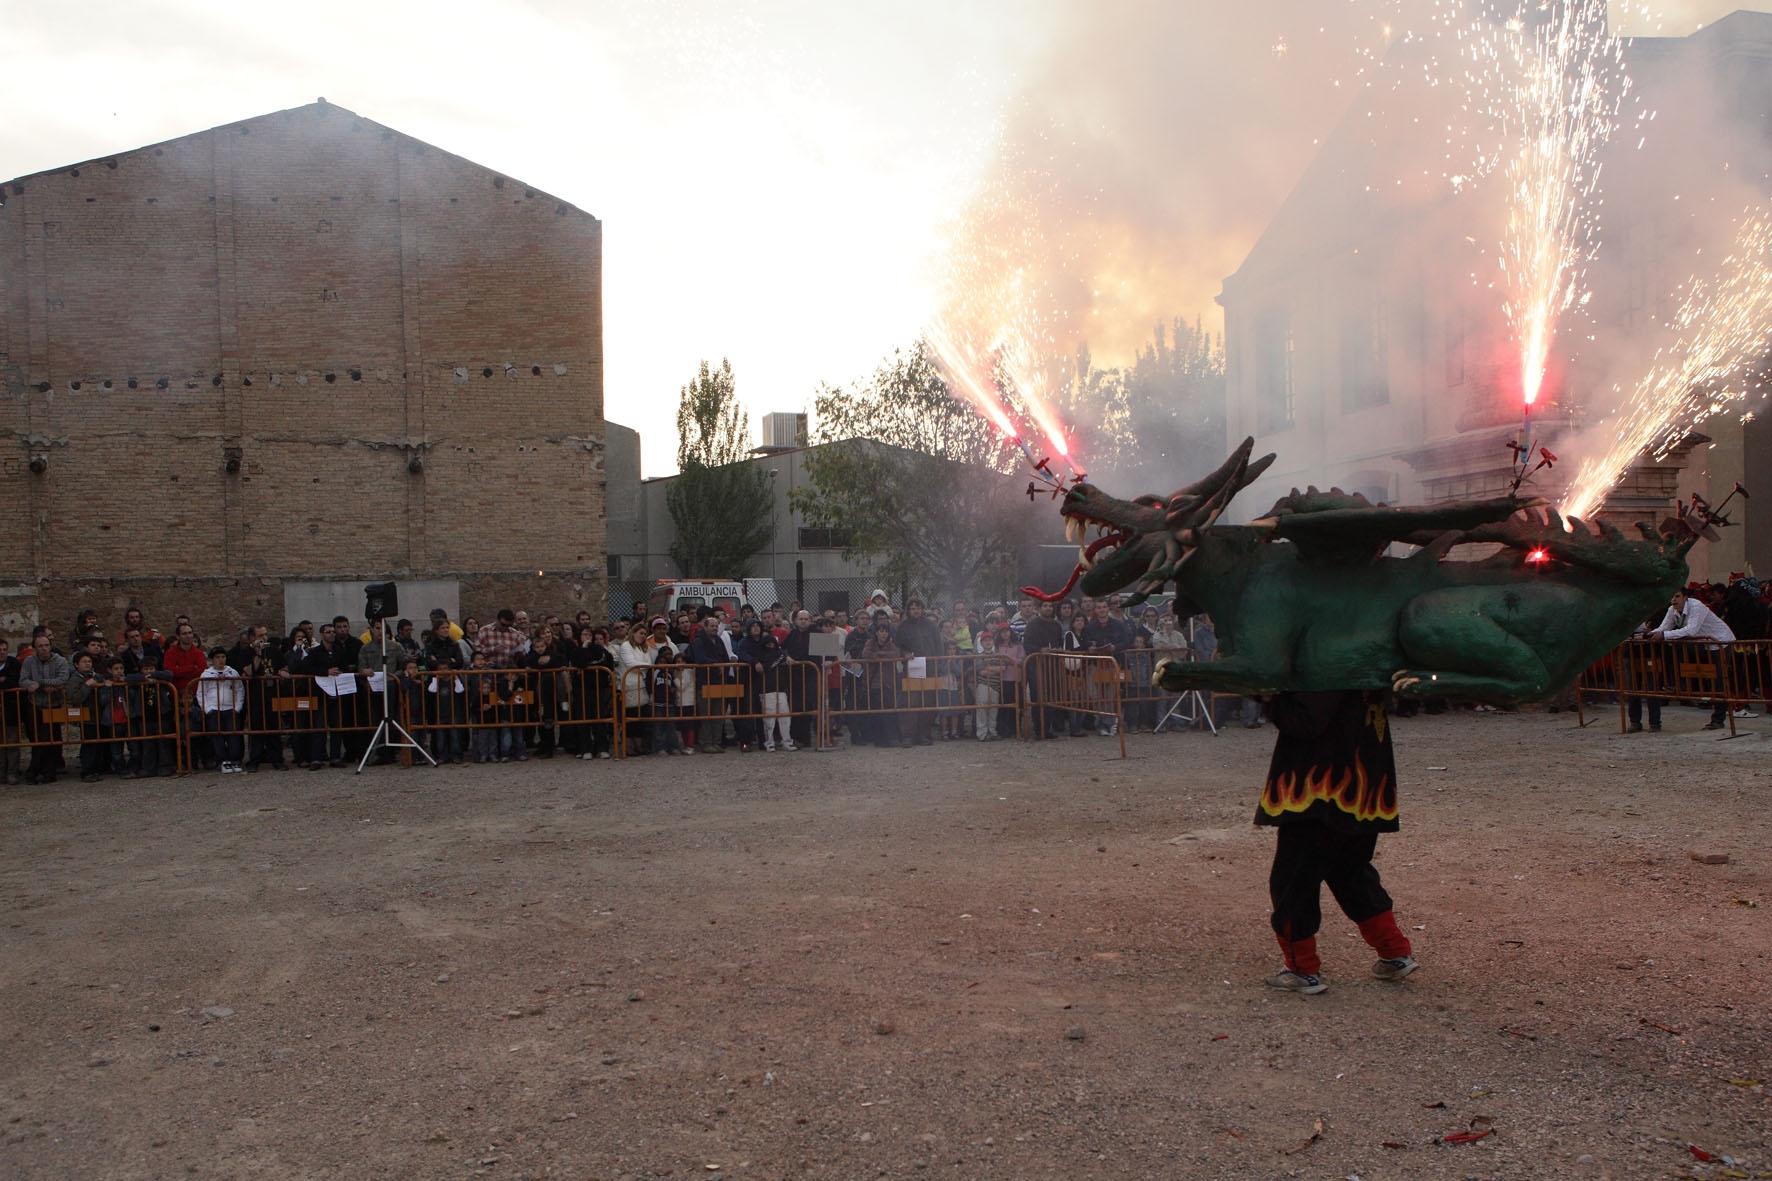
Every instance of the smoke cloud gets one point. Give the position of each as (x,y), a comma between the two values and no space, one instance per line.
(1144,156)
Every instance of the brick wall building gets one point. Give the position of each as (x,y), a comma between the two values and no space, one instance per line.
(301,346)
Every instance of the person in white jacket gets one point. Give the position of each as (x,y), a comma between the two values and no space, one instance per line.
(221,694)
(640,650)
(1688,618)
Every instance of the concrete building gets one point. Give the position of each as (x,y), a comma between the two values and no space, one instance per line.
(807,564)
(304,346)
(1366,343)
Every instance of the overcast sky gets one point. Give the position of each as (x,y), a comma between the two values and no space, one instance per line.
(777,179)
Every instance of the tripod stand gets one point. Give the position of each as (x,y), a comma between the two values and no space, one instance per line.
(384,733)
(1193,706)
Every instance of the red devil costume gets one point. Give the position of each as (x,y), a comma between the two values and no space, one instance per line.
(1331,789)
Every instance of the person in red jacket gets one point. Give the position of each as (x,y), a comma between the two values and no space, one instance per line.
(185,659)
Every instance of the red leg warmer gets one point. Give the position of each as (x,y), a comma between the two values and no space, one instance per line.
(1382,933)
(1301,954)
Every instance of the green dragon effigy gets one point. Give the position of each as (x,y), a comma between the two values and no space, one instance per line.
(1306,598)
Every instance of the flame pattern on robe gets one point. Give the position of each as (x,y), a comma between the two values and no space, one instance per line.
(1332,763)
(1353,791)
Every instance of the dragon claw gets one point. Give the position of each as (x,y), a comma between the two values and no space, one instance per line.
(1403,680)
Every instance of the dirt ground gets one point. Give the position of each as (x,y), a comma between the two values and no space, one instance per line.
(1015,960)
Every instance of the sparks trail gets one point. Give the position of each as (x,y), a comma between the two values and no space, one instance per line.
(1567,83)
(1721,322)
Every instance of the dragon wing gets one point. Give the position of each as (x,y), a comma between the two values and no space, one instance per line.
(1356,532)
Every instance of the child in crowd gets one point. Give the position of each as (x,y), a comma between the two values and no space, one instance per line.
(483,709)
(663,691)
(159,716)
(776,670)
(221,695)
(513,707)
(114,715)
(412,698)
(987,690)
(81,697)
(446,707)
(947,698)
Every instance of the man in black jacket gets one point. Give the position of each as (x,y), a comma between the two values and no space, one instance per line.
(918,635)
(12,712)
(1043,634)
(327,659)
(803,685)
(710,648)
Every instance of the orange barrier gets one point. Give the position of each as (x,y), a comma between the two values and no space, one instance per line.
(1659,670)
(1093,686)
(888,701)
(128,726)
(667,707)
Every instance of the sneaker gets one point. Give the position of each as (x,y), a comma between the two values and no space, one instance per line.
(603,754)
(1290,981)
(1634,728)
(1744,712)
(1394,969)
(788,744)
(769,746)
(1714,725)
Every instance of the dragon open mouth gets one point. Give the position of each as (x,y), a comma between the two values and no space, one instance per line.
(1077,528)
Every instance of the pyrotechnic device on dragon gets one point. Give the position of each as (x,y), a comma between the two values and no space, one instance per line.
(1307,598)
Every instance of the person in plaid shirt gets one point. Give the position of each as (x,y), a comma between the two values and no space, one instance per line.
(501,641)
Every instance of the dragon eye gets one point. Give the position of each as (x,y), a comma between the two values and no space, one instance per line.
(1148,501)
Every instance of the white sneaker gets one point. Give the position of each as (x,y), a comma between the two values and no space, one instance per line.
(769,746)
(788,744)
(603,754)
(1746,713)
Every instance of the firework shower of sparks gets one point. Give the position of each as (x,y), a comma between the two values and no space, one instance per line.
(1567,86)
(1721,323)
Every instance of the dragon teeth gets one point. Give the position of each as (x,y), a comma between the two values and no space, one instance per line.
(1083,558)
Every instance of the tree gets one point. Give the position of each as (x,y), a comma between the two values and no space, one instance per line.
(722,506)
(1158,423)
(918,481)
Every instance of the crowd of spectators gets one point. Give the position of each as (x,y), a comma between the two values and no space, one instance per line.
(515,687)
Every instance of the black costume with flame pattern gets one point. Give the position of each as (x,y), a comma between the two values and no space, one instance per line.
(1331,789)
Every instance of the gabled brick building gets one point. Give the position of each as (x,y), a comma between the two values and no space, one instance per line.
(301,346)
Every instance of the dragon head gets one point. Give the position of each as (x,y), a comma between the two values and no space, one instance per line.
(1145,540)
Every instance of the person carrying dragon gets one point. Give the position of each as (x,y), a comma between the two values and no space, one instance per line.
(1331,789)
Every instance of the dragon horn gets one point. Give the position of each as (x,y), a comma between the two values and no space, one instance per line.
(1220,500)
(1204,488)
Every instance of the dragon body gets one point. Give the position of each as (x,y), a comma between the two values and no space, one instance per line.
(1306,598)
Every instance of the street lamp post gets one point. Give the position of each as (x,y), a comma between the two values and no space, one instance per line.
(774,526)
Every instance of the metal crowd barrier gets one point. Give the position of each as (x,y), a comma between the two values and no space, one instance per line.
(1092,686)
(690,698)
(129,726)
(150,727)
(890,702)
(1699,670)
